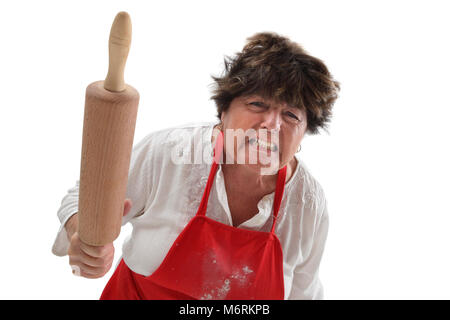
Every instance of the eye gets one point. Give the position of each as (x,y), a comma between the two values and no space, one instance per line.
(293,116)
(258,104)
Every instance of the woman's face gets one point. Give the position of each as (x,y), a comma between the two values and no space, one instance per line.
(267,133)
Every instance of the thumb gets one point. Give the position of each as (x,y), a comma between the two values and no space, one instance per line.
(127,207)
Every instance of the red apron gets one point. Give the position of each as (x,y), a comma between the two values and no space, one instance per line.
(211,260)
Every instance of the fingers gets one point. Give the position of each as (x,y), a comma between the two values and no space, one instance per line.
(85,271)
(96,251)
(92,261)
(98,261)
(89,261)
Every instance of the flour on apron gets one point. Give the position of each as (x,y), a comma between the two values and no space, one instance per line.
(215,289)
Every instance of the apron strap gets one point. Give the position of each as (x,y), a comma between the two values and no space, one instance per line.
(218,149)
(279,190)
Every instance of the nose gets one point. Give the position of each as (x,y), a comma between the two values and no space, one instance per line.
(271,120)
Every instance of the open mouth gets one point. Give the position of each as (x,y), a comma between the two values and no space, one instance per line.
(265,145)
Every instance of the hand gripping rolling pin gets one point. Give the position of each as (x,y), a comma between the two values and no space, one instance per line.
(108,130)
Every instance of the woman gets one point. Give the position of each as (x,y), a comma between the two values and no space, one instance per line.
(227,210)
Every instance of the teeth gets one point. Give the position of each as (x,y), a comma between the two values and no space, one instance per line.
(264,144)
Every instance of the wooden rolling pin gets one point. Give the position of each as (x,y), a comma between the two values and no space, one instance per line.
(108,130)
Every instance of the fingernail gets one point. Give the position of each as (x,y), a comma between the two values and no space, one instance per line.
(76,271)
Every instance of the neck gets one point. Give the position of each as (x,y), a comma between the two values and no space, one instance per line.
(241,175)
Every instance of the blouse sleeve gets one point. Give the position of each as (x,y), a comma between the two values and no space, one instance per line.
(306,284)
(138,188)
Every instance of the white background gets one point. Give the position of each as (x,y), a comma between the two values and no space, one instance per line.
(383,165)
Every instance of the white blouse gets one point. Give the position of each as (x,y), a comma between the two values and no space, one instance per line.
(168,173)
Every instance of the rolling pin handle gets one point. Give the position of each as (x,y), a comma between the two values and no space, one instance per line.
(119,46)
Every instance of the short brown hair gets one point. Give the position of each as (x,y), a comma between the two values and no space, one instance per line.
(277,68)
